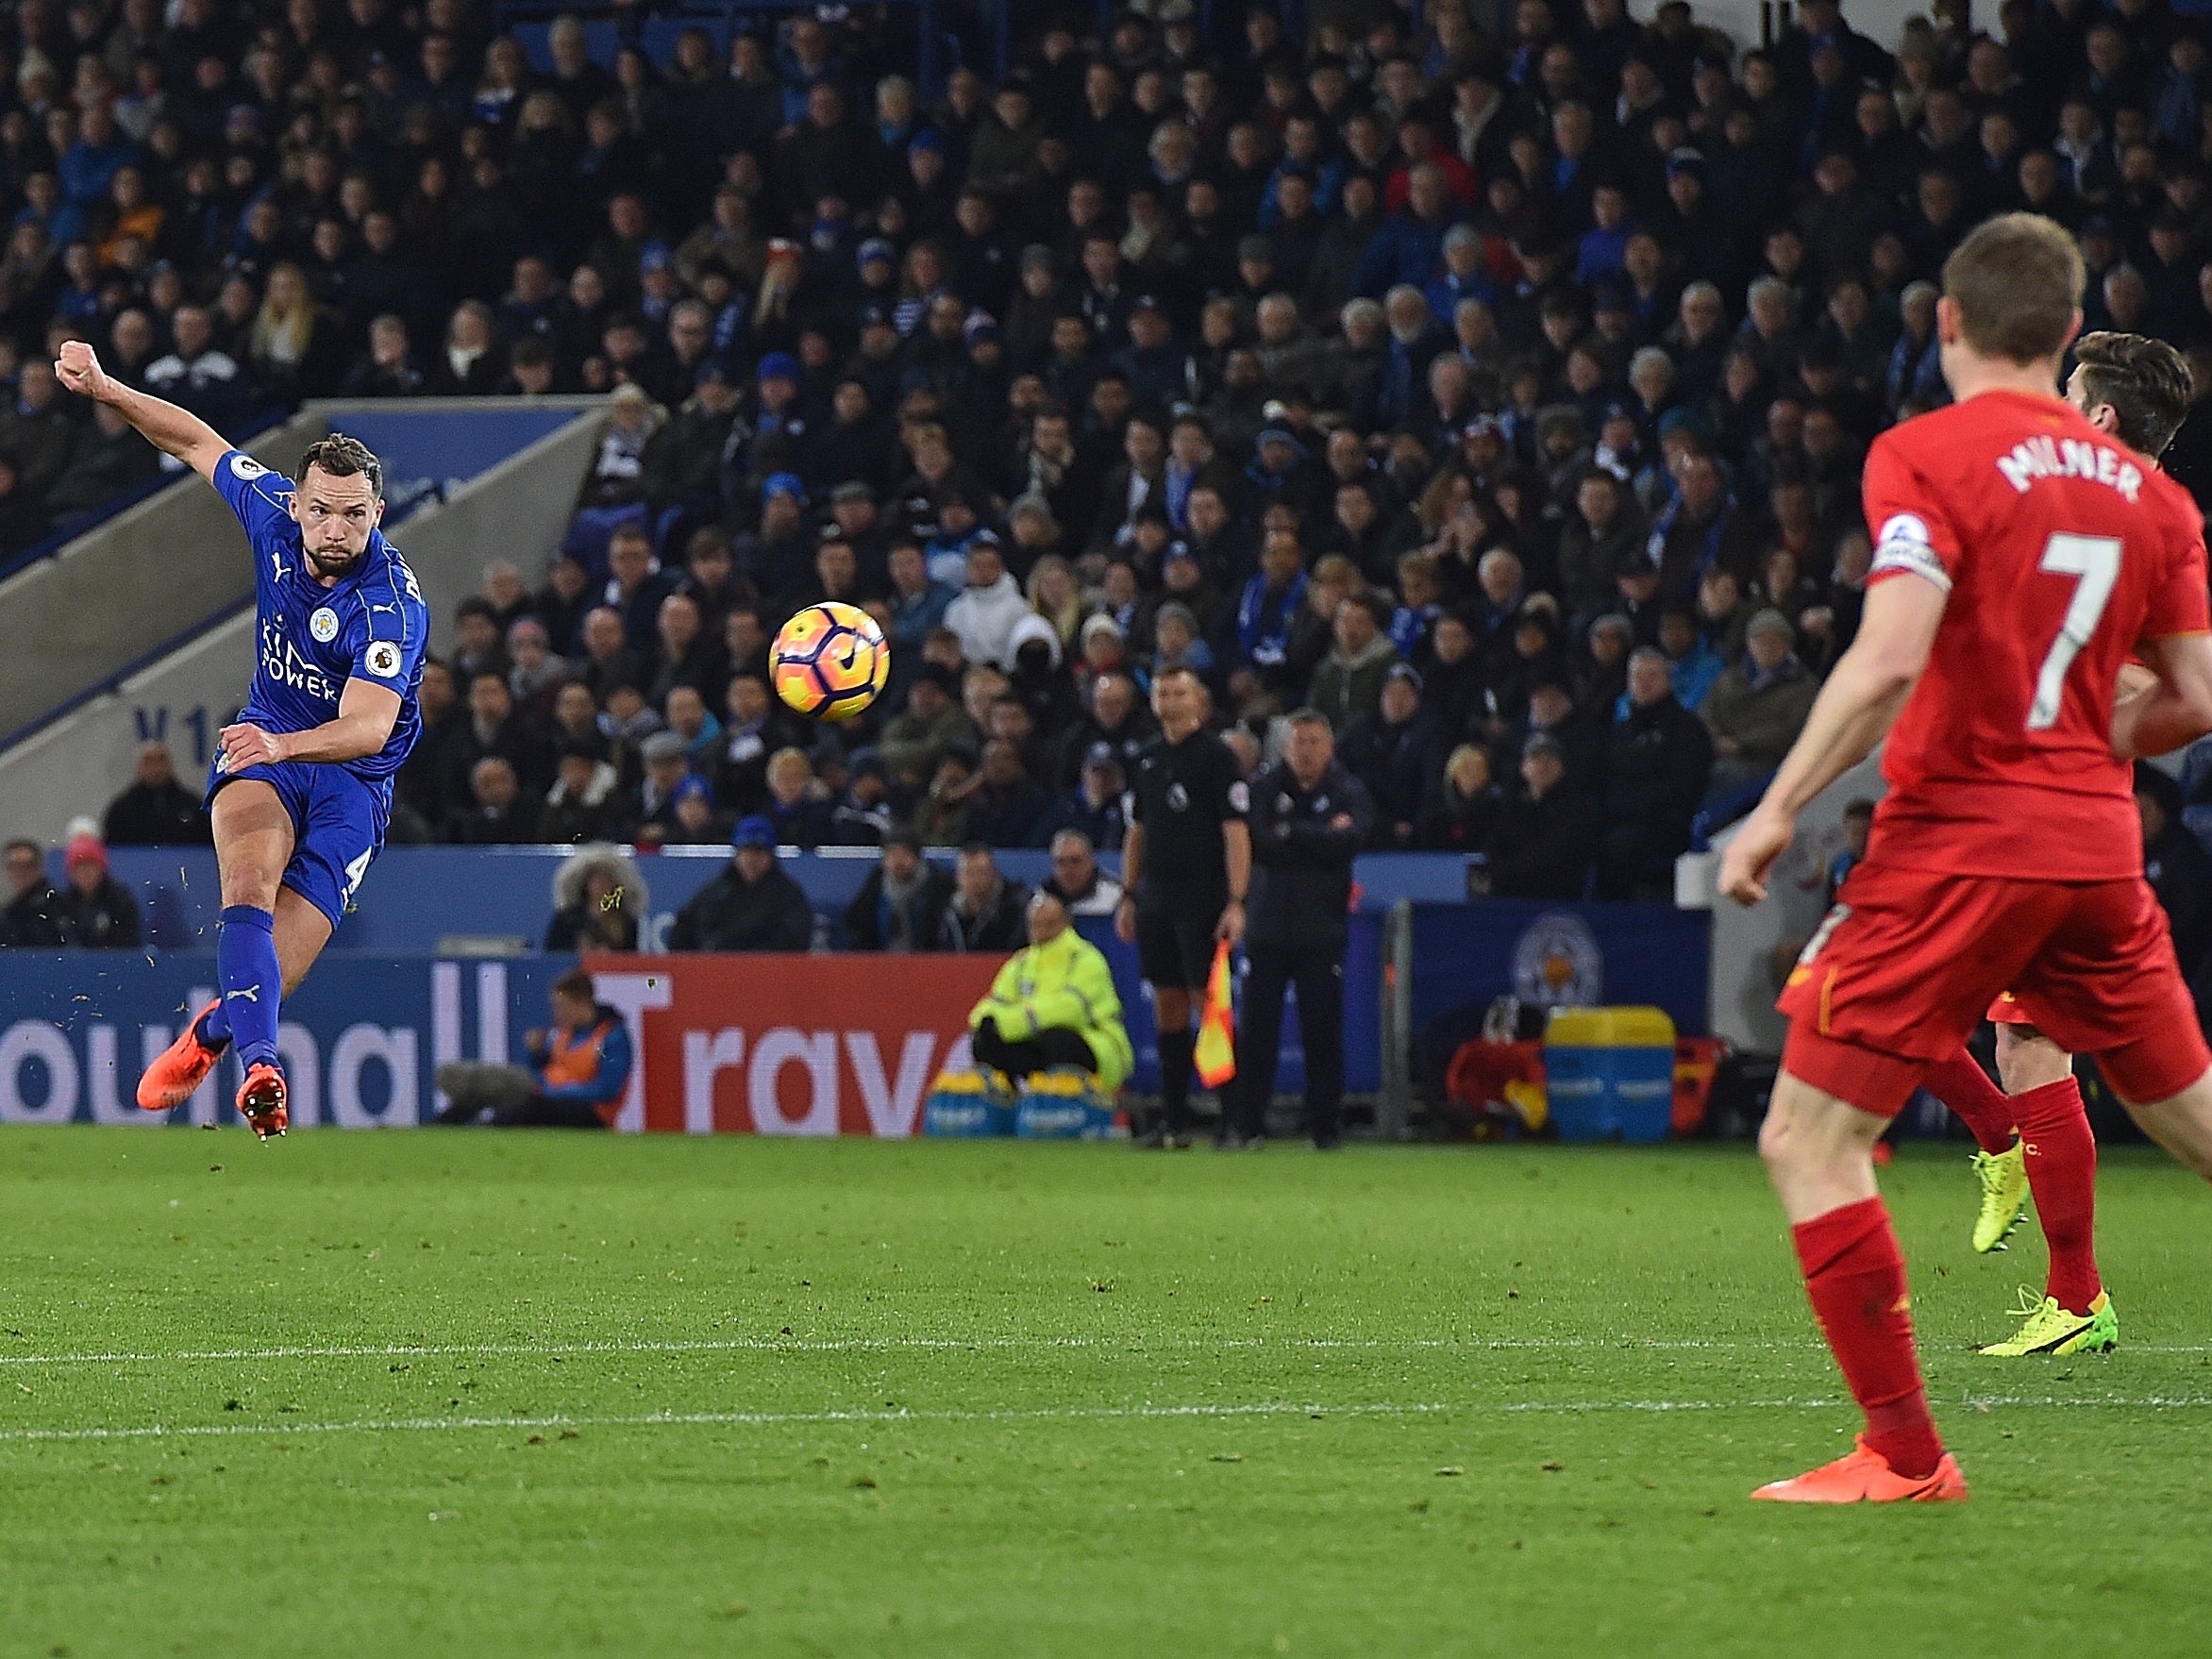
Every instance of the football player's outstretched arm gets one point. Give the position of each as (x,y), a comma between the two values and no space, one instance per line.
(176,432)
(2175,710)
(366,713)
(1853,713)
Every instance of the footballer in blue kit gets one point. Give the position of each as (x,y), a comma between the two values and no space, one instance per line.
(310,641)
(301,790)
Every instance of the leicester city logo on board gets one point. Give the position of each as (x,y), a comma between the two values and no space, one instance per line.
(1557,963)
(324,625)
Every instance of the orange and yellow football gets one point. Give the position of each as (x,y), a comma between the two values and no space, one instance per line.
(829,661)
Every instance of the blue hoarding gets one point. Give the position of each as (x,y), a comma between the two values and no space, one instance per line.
(1560,955)
(415,897)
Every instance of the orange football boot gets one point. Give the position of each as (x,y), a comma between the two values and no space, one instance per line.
(1866,1477)
(172,1080)
(262,1098)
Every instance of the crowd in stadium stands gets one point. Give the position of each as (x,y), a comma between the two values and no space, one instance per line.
(1500,394)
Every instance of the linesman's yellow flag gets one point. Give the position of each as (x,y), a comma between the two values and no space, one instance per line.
(1216,1050)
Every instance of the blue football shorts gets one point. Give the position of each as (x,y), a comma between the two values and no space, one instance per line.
(337,824)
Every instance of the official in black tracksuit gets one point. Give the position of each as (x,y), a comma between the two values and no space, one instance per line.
(1186,864)
(1310,816)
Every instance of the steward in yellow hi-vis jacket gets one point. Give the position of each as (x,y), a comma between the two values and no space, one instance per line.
(1053,1004)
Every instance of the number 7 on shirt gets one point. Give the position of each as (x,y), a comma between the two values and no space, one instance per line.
(2094,560)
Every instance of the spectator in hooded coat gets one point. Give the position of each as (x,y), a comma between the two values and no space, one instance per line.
(598,897)
(990,607)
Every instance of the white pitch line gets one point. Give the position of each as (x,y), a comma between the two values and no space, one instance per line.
(694,1419)
(1050,1414)
(1133,1345)
(855,1345)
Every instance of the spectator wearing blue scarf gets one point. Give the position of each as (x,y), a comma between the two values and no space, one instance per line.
(1414,339)
(1692,665)
(1698,529)
(1915,362)
(1268,609)
(1463,276)
(1420,594)
(1193,463)
(901,905)
(958,525)
(918,602)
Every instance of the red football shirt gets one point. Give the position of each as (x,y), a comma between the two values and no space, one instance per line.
(2060,549)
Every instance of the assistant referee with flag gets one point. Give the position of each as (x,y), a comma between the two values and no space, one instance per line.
(1186,867)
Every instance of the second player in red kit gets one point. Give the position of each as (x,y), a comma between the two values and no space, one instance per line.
(2032,1134)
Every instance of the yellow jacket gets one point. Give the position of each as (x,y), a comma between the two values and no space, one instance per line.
(1063,984)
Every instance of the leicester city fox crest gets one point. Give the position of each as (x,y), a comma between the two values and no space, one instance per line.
(1557,963)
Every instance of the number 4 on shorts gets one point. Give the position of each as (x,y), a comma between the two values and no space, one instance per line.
(355,871)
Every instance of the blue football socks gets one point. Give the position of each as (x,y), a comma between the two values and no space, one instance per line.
(245,957)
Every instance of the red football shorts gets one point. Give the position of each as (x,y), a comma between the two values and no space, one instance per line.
(2005,1010)
(1908,961)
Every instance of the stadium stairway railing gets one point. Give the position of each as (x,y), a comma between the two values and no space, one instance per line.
(132,587)
(1717,815)
(478,495)
(84,521)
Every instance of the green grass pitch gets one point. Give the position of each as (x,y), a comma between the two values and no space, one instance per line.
(484,1395)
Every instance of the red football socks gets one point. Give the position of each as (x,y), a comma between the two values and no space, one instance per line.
(1856,1277)
(1961,1084)
(2062,1173)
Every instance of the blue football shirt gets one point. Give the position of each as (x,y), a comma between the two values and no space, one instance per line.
(310,639)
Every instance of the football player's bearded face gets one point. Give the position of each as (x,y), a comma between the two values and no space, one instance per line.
(335,516)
